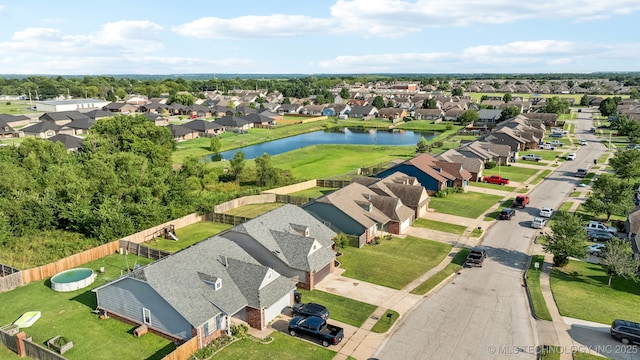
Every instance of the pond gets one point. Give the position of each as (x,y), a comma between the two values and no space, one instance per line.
(341,136)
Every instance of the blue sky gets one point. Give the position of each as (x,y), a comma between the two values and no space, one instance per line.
(75,37)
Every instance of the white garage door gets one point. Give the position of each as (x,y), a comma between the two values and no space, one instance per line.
(276,309)
(405,224)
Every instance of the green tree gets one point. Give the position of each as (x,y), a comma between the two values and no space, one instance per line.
(341,240)
(584,100)
(626,164)
(181,98)
(555,105)
(608,107)
(634,94)
(266,174)
(344,93)
(618,260)
(422,146)
(215,145)
(567,239)
(507,97)
(509,112)
(237,164)
(429,104)
(457,91)
(469,117)
(378,102)
(610,195)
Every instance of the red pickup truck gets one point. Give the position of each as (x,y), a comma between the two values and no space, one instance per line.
(495,179)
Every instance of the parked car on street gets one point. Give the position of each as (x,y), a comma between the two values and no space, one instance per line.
(556,135)
(596,249)
(627,332)
(538,223)
(310,309)
(583,142)
(581,172)
(476,257)
(599,235)
(317,328)
(547,147)
(520,201)
(495,179)
(506,214)
(545,212)
(596,225)
(571,156)
(532,157)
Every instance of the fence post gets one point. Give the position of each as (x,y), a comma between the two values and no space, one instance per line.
(22,352)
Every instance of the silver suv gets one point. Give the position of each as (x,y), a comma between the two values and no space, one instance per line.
(626,331)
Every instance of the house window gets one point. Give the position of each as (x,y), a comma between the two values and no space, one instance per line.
(146,316)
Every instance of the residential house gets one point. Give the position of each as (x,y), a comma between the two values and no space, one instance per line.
(473,165)
(120,107)
(508,137)
(43,129)
(291,241)
(488,117)
(453,114)
(428,114)
(392,114)
(197,111)
(435,175)
(246,110)
(6,131)
(363,112)
(219,111)
(77,127)
(357,210)
(157,119)
(205,127)
(70,142)
(198,292)
(289,109)
(136,100)
(234,123)
(182,133)
(15,120)
(153,107)
(62,117)
(336,110)
(531,130)
(259,120)
(270,114)
(548,119)
(98,114)
(406,188)
(315,110)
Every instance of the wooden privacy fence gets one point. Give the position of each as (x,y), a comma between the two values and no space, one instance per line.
(229,219)
(19,343)
(142,250)
(332,183)
(10,278)
(245,200)
(183,351)
(296,200)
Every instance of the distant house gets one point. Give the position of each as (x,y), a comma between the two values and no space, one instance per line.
(428,114)
(259,120)
(290,241)
(394,115)
(488,116)
(315,110)
(43,129)
(77,127)
(205,127)
(6,131)
(234,123)
(182,133)
(62,117)
(198,292)
(70,142)
(473,165)
(98,114)
(157,119)
(336,110)
(120,107)
(14,120)
(290,109)
(363,112)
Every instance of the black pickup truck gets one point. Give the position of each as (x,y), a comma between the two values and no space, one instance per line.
(317,328)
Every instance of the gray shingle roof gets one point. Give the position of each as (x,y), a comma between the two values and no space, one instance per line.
(68,141)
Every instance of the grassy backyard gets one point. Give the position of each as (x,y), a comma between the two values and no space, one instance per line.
(469,205)
(283,346)
(253,210)
(188,236)
(314,192)
(69,314)
(580,291)
(393,263)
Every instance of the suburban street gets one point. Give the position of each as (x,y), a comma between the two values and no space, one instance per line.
(484,312)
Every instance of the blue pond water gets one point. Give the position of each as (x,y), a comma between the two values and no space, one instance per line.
(343,136)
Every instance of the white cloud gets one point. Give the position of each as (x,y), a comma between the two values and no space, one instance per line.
(1,9)
(253,27)
(402,62)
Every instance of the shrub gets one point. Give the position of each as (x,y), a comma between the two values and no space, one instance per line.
(490,164)
(449,127)
(239,330)
(437,144)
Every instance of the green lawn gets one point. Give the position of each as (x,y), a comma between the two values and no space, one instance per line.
(533,283)
(515,173)
(393,263)
(440,226)
(540,177)
(324,161)
(492,186)
(314,192)
(580,290)
(253,210)
(15,107)
(455,265)
(342,309)
(565,206)
(69,314)
(469,205)
(283,346)
(385,322)
(188,236)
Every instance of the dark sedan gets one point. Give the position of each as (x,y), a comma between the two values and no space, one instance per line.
(599,235)
(506,214)
(310,309)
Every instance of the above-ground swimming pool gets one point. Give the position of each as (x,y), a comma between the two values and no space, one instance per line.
(73,279)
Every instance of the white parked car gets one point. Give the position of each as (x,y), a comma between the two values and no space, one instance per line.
(596,225)
(538,223)
(571,156)
(546,212)
(583,142)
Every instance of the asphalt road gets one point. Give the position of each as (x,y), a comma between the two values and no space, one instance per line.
(484,312)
